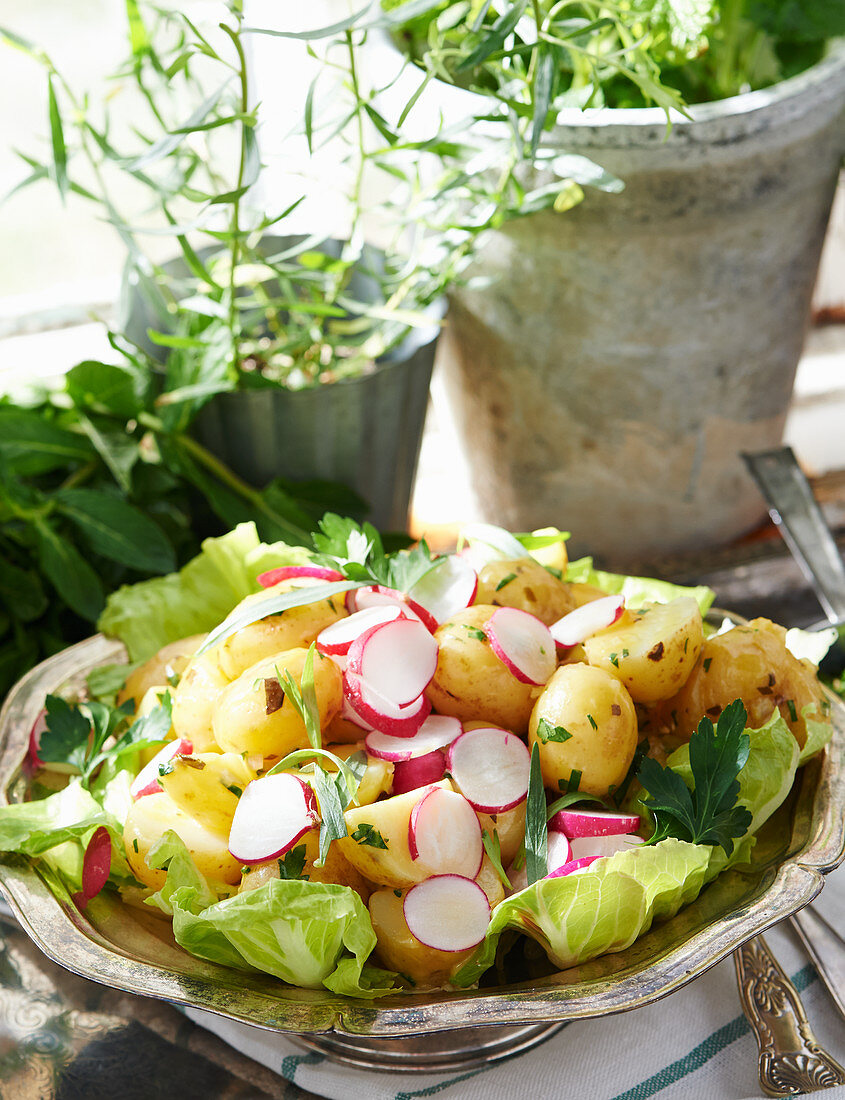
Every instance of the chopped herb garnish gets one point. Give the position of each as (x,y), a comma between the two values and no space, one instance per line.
(554,572)
(536,833)
(397,893)
(235,789)
(474,632)
(708,814)
(570,799)
(570,784)
(614,660)
(332,825)
(547,732)
(494,853)
(592,721)
(292,865)
(173,679)
(505,581)
(304,697)
(135,844)
(369,834)
(793,712)
(707,662)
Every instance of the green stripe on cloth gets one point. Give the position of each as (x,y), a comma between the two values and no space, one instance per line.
(433,1089)
(292,1062)
(700,1055)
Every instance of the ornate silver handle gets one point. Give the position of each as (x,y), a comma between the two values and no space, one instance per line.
(791,1059)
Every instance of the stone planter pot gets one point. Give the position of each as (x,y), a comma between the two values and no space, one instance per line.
(364,432)
(625,352)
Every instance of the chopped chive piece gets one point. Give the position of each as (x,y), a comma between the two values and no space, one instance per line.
(505,580)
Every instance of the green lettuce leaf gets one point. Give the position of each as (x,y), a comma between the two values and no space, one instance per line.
(818,734)
(148,615)
(637,590)
(606,908)
(307,933)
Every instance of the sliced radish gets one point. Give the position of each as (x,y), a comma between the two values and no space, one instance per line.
(559,851)
(397,659)
(447,912)
(96,866)
(273,813)
(420,771)
(336,639)
(373,709)
(603,845)
(38,727)
(447,588)
(587,620)
(358,599)
(523,644)
(348,713)
(490,768)
(444,834)
(438,731)
(493,543)
(573,867)
(285,572)
(146,781)
(578,823)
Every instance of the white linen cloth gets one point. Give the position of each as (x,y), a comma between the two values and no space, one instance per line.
(694,1045)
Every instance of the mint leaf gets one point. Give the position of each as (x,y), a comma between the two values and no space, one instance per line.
(65,739)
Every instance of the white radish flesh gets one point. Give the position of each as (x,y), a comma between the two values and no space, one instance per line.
(285,572)
(336,639)
(587,620)
(581,823)
(603,845)
(420,771)
(272,814)
(447,588)
(490,768)
(447,912)
(573,867)
(494,543)
(523,644)
(146,781)
(397,659)
(359,599)
(444,834)
(374,710)
(559,851)
(438,731)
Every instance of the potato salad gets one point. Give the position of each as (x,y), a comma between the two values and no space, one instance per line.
(377,763)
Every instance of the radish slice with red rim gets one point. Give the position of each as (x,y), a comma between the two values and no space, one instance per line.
(397,659)
(419,771)
(374,710)
(447,913)
(573,867)
(146,781)
(444,834)
(285,572)
(587,620)
(380,596)
(523,644)
(438,731)
(490,768)
(96,866)
(603,845)
(272,814)
(335,640)
(348,713)
(582,823)
(558,850)
(447,588)
(38,727)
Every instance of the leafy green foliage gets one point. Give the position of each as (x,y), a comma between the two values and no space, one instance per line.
(547,732)
(303,697)
(536,833)
(293,864)
(77,734)
(493,848)
(358,552)
(369,835)
(707,814)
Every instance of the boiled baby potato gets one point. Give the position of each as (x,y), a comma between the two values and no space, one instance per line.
(376,780)
(400,950)
(195,700)
(652,651)
(586,728)
(207,786)
(489,881)
(148,820)
(298,626)
(471,682)
(165,667)
(336,870)
(554,556)
(393,865)
(524,584)
(254,716)
(750,663)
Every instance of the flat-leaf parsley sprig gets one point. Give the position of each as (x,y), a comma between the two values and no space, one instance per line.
(707,814)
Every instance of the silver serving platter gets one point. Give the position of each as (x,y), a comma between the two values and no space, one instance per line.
(126,948)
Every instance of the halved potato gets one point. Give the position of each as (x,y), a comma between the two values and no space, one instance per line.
(524,584)
(207,786)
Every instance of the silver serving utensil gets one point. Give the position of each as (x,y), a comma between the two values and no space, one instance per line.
(799,518)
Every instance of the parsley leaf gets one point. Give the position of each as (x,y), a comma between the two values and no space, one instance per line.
(547,732)
(369,834)
(536,833)
(293,864)
(358,552)
(708,814)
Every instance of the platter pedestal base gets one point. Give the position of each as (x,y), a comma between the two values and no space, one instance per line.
(439,1052)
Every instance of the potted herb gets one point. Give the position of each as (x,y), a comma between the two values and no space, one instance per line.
(613,360)
(291,357)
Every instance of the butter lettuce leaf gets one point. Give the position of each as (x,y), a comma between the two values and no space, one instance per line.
(310,934)
(818,734)
(578,917)
(148,615)
(637,590)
